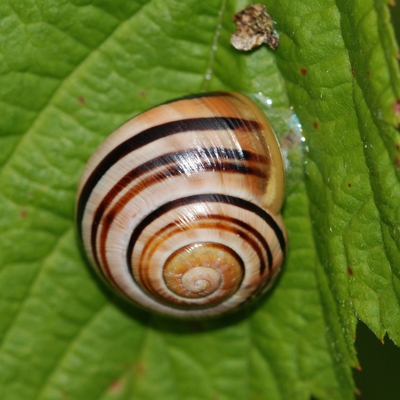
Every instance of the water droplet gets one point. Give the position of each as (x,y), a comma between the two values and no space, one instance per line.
(265,100)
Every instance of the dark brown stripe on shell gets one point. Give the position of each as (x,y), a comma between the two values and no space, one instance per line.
(202,198)
(111,215)
(216,163)
(175,226)
(150,135)
(210,158)
(234,226)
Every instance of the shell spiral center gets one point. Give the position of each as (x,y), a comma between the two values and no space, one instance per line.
(203,269)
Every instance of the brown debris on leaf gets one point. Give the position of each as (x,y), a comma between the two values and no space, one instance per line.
(254,27)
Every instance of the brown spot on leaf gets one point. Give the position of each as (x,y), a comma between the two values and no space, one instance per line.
(81,100)
(392,3)
(140,368)
(143,93)
(23,213)
(358,367)
(382,341)
(315,124)
(115,386)
(368,73)
(358,393)
(398,147)
(303,71)
(396,107)
(352,70)
(349,185)
(350,271)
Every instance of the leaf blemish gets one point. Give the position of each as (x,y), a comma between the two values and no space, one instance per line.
(303,71)
(140,368)
(350,271)
(315,124)
(23,214)
(349,185)
(81,100)
(116,386)
(396,108)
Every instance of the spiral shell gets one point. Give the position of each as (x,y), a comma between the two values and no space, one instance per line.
(179,208)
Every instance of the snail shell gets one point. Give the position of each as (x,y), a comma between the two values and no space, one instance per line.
(178,209)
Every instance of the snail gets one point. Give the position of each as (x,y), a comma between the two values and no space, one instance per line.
(179,209)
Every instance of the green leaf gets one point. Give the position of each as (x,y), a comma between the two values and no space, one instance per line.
(347,105)
(73,71)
